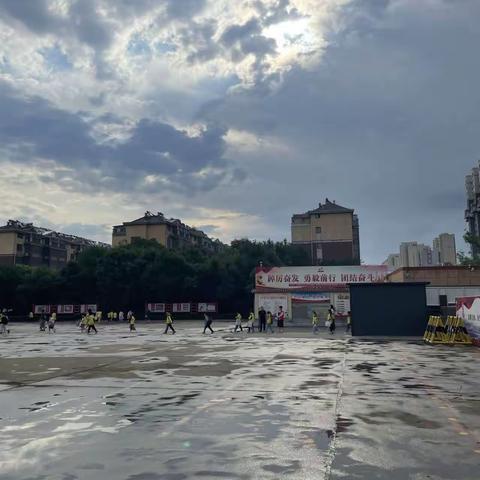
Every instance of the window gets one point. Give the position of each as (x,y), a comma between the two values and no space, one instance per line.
(19,247)
(318,229)
(19,235)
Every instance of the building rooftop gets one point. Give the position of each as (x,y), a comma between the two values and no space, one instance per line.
(159,219)
(326,208)
(17,226)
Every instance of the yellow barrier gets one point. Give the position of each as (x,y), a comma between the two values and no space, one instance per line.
(456,331)
(453,332)
(435,332)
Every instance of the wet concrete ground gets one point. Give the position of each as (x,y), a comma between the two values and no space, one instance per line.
(148,406)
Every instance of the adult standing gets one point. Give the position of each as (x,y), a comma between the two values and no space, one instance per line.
(169,324)
(121,316)
(349,321)
(280,319)
(208,323)
(262,320)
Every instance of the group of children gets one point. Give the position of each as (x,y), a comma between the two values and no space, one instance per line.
(330,321)
(265,321)
(87,321)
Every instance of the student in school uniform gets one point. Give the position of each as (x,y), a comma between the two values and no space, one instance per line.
(251,322)
(169,324)
(269,322)
(51,323)
(132,322)
(208,323)
(91,322)
(315,322)
(238,322)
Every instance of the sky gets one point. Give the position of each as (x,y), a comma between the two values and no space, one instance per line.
(234,115)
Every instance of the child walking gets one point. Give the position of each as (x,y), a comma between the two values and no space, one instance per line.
(250,324)
(91,322)
(208,323)
(132,323)
(169,324)
(269,322)
(51,323)
(238,322)
(315,322)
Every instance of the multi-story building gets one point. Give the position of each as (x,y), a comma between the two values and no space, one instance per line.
(444,250)
(25,244)
(472,213)
(329,233)
(413,254)
(169,232)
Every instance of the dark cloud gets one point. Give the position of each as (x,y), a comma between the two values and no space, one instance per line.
(386,123)
(32,128)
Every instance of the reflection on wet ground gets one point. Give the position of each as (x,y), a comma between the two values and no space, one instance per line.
(151,406)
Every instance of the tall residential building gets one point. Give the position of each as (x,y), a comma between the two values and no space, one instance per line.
(444,250)
(169,232)
(472,213)
(25,244)
(330,234)
(413,254)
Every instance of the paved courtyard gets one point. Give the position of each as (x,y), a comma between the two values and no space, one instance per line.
(148,406)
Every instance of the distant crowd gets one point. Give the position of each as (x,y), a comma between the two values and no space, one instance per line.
(264,322)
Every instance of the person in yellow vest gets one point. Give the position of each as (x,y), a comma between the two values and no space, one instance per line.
(169,324)
(250,324)
(132,322)
(269,322)
(115,316)
(98,316)
(109,316)
(315,322)
(91,322)
(238,322)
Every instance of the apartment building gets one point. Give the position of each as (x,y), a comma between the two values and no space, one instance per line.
(472,212)
(169,232)
(25,244)
(444,249)
(329,233)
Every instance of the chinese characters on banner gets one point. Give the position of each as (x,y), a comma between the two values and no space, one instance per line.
(303,278)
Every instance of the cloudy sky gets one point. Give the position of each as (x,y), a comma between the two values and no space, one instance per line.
(233,115)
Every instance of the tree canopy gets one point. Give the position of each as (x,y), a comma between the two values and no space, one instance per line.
(126,277)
